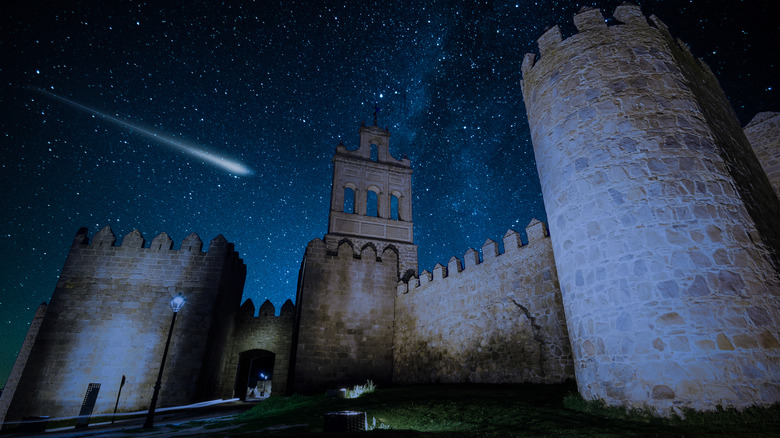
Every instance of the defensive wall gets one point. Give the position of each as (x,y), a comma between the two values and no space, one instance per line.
(21,361)
(763,132)
(344,316)
(496,321)
(110,315)
(264,333)
(663,257)
(663,225)
(407,253)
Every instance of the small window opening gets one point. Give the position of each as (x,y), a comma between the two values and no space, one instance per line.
(374,153)
(349,200)
(372,204)
(394,207)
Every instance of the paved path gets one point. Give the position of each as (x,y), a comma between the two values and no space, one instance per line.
(201,421)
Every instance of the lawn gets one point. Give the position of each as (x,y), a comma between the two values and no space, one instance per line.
(496,411)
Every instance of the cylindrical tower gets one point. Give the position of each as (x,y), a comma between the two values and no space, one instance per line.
(662,223)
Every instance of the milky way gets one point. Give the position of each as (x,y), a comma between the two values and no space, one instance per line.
(276,86)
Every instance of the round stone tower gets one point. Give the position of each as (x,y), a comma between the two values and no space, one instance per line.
(663,225)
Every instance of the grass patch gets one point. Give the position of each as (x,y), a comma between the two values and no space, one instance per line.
(753,421)
(358,390)
(761,420)
(294,405)
(497,411)
(575,402)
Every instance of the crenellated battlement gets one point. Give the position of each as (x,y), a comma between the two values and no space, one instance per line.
(346,293)
(590,22)
(654,288)
(640,158)
(106,319)
(105,238)
(593,30)
(495,320)
(262,332)
(345,248)
(513,245)
(267,310)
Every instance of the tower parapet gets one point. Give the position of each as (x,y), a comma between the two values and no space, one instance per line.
(496,321)
(663,237)
(536,231)
(108,317)
(263,336)
(347,281)
(344,316)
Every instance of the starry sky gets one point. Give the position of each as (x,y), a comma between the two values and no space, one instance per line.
(91,92)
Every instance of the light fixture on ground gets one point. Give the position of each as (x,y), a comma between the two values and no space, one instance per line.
(176,304)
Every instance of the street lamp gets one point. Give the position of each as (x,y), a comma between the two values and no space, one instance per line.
(176,304)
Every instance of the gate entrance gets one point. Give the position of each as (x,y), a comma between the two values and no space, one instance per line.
(255,373)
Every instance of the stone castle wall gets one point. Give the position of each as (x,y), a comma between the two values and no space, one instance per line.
(763,132)
(407,253)
(497,321)
(268,332)
(344,319)
(21,361)
(663,241)
(659,286)
(110,314)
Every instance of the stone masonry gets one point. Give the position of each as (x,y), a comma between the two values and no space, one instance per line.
(344,325)
(658,284)
(109,316)
(764,135)
(663,225)
(497,321)
(266,331)
(346,288)
(371,169)
(21,360)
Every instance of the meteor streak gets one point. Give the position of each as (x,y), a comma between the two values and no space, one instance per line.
(190,149)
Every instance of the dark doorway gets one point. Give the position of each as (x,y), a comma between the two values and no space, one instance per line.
(255,373)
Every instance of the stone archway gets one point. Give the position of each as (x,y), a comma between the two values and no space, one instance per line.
(254,375)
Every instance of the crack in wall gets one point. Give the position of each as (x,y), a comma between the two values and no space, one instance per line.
(537,334)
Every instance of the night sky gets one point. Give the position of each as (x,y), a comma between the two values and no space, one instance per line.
(274,86)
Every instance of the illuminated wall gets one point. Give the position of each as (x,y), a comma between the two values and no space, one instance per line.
(498,321)
(266,331)
(345,312)
(763,132)
(110,314)
(21,361)
(377,180)
(663,256)
(344,327)
(663,225)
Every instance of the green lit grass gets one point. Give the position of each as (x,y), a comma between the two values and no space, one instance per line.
(498,411)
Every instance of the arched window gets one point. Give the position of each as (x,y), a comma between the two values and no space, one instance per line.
(349,200)
(394,207)
(374,153)
(372,204)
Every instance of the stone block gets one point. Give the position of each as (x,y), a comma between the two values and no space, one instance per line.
(768,341)
(723,342)
(589,19)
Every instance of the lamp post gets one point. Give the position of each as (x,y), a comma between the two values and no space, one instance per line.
(176,304)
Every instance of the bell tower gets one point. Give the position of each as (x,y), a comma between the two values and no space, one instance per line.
(371,198)
(347,285)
